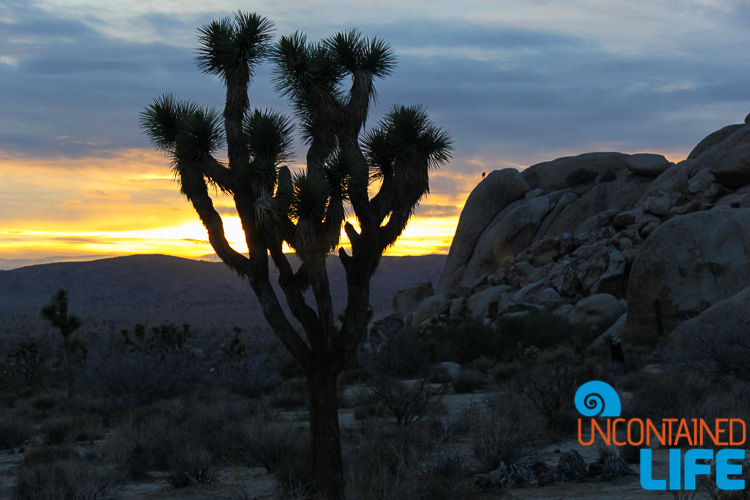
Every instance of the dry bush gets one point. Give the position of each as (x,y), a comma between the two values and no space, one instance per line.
(45,402)
(87,427)
(64,479)
(505,371)
(39,455)
(354,376)
(280,448)
(384,462)
(58,430)
(407,402)
(415,462)
(504,434)
(674,394)
(551,383)
(253,375)
(14,431)
(190,463)
(291,395)
(140,377)
(469,380)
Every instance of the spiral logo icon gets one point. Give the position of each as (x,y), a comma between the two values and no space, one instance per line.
(597,399)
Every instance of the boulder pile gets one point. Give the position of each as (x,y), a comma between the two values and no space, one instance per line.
(601,237)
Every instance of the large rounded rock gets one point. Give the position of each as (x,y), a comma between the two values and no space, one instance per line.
(510,233)
(713,139)
(687,264)
(729,161)
(619,195)
(595,310)
(406,300)
(493,194)
(480,303)
(717,339)
(553,175)
(429,308)
(647,164)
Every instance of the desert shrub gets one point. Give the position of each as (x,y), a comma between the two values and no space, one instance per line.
(551,383)
(437,374)
(30,361)
(47,454)
(402,355)
(44,402)
(141,376)
(355,376)
(291,395)
(670,395)
(469,380)
(251,375)
(392,462)
(87,427)
(447,463)
(282,449)
(218,425)
(462,339)
(190,463)
(506,433)
(64,479)
(580,177)
(506,370)
(58,430)
(484,364)
(365,404)
(406,402)
(137,447)
(544,331)
(384,462)
(14,431)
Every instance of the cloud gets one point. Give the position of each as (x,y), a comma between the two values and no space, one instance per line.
(512,89)
(514,83)
(429,210)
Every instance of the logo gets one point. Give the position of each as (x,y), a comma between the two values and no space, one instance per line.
(596,400)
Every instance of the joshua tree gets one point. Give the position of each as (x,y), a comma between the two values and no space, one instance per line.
(330,85)
(56,312)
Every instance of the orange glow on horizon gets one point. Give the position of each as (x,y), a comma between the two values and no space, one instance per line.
(128,203)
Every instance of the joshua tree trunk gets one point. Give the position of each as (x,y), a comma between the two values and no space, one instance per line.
(68,367)
(325,440)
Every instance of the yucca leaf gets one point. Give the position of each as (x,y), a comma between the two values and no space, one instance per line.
(161,121)
(215,47)
(268,135)
(310,196)
(200,134)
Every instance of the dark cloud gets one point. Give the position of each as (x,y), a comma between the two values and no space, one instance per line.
(428,210)
(506,93)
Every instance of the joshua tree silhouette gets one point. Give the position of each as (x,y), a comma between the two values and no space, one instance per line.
(56,312)
(331,86)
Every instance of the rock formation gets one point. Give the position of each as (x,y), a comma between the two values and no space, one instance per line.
(589,236)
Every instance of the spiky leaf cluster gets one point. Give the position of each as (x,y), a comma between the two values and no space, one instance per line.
(406,136)
(268,136)
(233,45)
(189,135)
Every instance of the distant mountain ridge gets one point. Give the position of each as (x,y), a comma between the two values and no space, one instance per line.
(115,293)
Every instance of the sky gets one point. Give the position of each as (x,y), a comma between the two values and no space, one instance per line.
(514,82)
